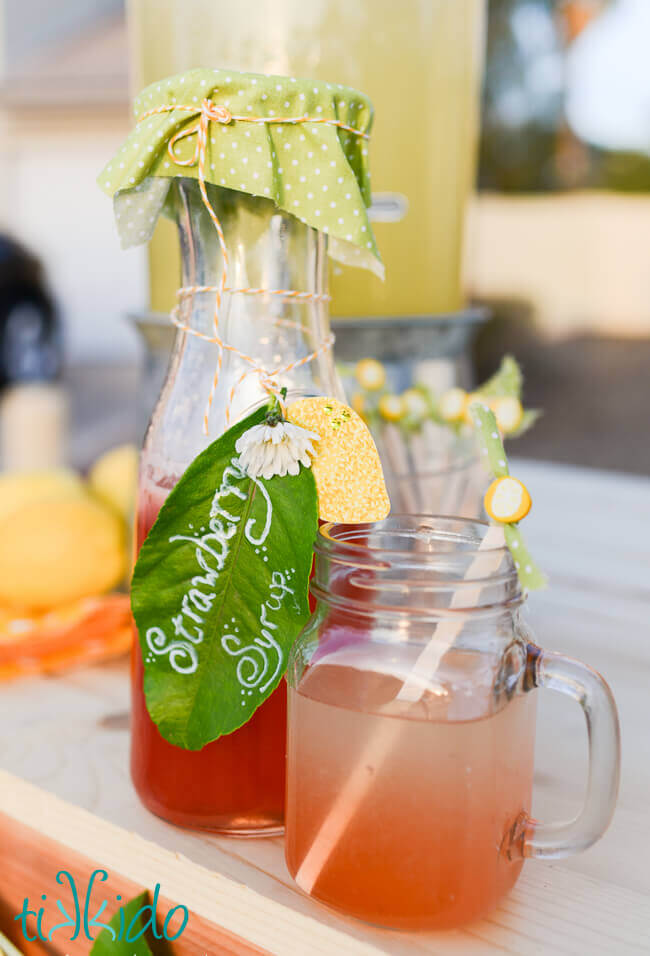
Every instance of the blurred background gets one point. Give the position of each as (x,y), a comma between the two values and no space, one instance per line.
(554,242)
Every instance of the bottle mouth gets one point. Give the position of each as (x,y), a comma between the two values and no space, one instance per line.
(421,564)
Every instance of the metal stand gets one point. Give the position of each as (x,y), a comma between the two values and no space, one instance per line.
(434,349)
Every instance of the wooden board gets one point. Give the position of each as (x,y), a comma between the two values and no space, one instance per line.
(40,835)
(31,861)
(68,735)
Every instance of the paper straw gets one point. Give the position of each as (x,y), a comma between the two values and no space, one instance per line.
(446,632)
(350,798)
(472,503)
(420,456)
(393,442)
(450,494)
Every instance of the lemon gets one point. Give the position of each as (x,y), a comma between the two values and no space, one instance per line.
(59,550)
(508,412)
(507,500)
(18,488)
(452,404)
(391,407)
(370,374)
(114,479)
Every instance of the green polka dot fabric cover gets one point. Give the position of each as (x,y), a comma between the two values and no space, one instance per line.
(316,172)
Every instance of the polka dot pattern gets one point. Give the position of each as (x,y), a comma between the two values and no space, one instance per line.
(530,576)
(316,172)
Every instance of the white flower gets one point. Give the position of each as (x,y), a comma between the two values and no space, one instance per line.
(267,450)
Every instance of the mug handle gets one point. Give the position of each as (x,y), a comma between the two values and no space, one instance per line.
(553,841)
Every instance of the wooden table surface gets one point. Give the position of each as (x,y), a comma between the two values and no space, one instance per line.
(591,532)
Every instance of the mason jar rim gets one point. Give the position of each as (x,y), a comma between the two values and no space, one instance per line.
(342,534)
(450,566)
(349,544)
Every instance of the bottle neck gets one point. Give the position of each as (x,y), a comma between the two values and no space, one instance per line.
(263,335)
(267,249)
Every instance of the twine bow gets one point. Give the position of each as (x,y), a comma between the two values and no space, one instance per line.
(210,112)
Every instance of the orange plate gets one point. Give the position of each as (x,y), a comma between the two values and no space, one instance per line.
(88,630)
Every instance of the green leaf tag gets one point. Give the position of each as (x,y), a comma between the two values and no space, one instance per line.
(220,591)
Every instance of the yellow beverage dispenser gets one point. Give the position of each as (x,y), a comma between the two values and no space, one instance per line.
(420,61)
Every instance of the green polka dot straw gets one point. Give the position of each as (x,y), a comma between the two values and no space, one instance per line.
(301,143)
(491,443)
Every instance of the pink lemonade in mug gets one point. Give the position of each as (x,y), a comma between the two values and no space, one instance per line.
(441,800)
(412,728)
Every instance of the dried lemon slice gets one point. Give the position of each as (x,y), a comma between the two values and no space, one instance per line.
(452,404)
(415,405)
(370,374)
(469,401)
(347,470)
(507,500)
(391,407)
(508,412)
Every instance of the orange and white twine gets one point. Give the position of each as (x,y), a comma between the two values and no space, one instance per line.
(210,112)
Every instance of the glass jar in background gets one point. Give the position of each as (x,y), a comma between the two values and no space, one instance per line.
(393,372)
(431,469)
(235,784)
(412,712)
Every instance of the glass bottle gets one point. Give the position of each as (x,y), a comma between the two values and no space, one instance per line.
(236,783)
(412,712)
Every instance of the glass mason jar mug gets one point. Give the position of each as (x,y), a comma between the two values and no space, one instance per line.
(235,784)
(412,726)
